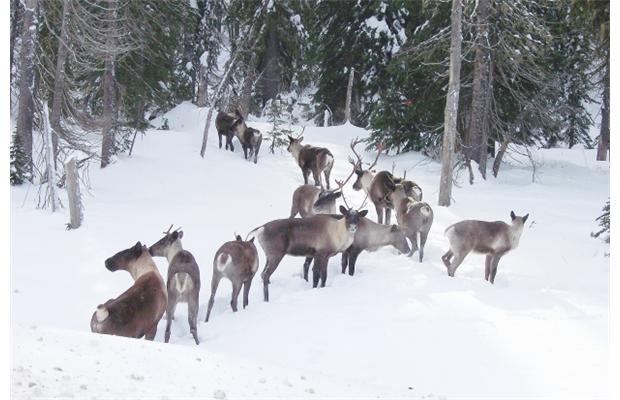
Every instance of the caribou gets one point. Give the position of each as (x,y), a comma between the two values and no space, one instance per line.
(137,311)
(413,217)
(183,283)
(377,186)
(238,261)
(494,239)
(318,237)
(317,160)
(224,123)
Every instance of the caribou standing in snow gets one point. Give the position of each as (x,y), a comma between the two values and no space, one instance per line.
(183,283)
(136,312)
(317,160)
(318,237)
(224,123)
(491,238)
(238,261)
(413,217)
(371,236)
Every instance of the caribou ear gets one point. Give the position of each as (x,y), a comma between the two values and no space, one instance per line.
(251,240)
(238,237)
(512,215)
(525,217)
(138,246)
(362,213)
(343,210)
(290,139)
(180,234)
(337,194)
(299,139)
(175,235)
(394,228)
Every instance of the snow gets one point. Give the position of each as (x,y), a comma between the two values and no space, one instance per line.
(397,329)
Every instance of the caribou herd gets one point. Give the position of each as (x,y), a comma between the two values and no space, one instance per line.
(319,234)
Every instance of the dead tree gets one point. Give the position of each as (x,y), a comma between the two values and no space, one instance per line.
(452,105)
(59,79)
(76,210)
(347,107)
(109,90)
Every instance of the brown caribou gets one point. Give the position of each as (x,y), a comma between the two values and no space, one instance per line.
(224,123)
(319,237)
(238,261)
(494,239)
(183,283)
(413,217)
(136,312)
(250,138)
(315,160)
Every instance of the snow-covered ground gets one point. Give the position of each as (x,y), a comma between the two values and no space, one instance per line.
(397,329)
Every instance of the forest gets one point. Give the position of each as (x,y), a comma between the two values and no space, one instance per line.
(311,199)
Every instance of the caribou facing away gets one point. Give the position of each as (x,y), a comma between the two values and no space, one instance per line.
(136,312)
(317,160)
(183,283)
(238,261)
(320,237)
(413,217)
(491,238)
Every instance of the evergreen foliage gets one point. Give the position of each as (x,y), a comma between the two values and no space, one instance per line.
(19,170)
(279,117)
(604,221)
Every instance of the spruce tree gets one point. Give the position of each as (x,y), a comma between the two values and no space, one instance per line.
(276,113)
(19,161)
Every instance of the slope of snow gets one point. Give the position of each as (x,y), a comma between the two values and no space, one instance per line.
(398,328)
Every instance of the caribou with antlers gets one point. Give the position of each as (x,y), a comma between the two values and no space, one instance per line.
(377,186)
(183,283)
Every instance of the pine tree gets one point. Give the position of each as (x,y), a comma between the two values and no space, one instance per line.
(276,113)
(358,35)
(19,161)
(604,221)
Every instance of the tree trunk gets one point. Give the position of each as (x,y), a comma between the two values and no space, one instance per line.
(16,16)
(59,80)
(452,105)
(603,139)
(49,158)
(270,77)
(203,85)
(347,106)
(73,194)
(500,155)
(477,143)
(26,82)
(109,93)
(248,84)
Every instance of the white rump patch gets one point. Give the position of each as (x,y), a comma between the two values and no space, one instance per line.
(223,261)
(101,314)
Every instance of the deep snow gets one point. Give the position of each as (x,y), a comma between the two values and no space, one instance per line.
(397,329)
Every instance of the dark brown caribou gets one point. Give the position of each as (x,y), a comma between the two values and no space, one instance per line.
(136,312)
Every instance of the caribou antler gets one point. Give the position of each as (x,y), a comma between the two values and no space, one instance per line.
(168,231)
(380,149)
